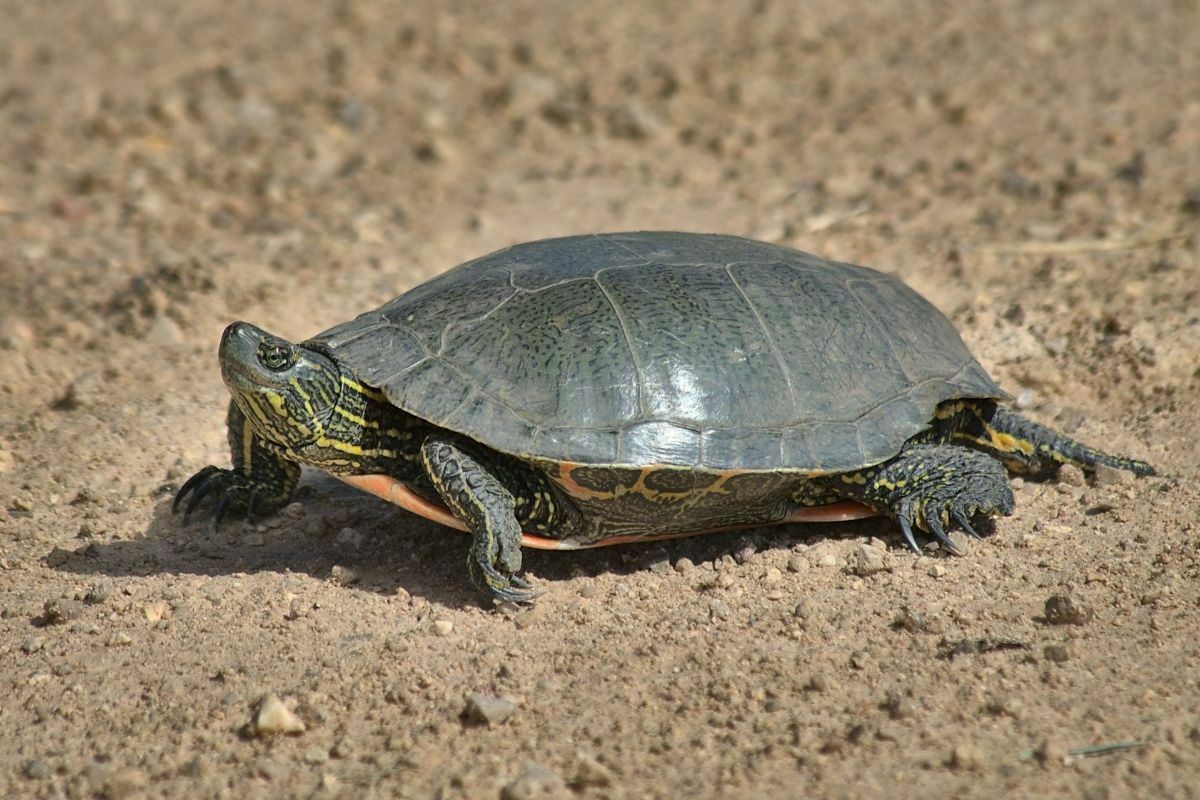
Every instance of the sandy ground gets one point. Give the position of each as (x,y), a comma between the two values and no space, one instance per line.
(165,168)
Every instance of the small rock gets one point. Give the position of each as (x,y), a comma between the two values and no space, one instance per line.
(772,576)
(1110,476)
(98,593)
(270,769)
(967,757)
(488,709)
(1058,653)
(1065,609)
(744,552)
(805,609)
(869,560)
(343,576)
(316,756)
(960,541)
(797,563)
(684,565)
(1026,399)
(656,560)
(817,682)
(36,770)
(1071,475)
(590,772)
(274,717)
(719,609)
(349,537)
(1052,753)
(536,782)
(58,611)
(828,560)
(294,511)
(937,571)
(443,627)
(32,644)
(120,639)
(633,121)
(158,610)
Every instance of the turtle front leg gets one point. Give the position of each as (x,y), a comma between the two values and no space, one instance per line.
(261,480)
(1027,447)
(933,486)
(481,501)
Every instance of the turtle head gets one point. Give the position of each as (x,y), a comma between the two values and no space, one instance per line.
(287,392)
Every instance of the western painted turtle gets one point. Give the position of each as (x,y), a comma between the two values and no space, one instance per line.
(595,389)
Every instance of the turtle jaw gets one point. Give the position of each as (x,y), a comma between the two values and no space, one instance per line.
(286,392)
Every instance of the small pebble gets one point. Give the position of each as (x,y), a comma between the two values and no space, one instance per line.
(158,610)
(488,709)
(536,782)
(937,571)
(316,756)
(1058,653)
(32,644)
(869,560)
(684,565)
(98,593)
(350,537)
(294,510)
(590,772)
(967,757)
(36,770)
(274,717)
(1071,475)
(719,609)
(1065,609)
(343,576)
(1052,753)
(772,576)
(443,627)
(58,611)
(828,560)
(960,540)
(1110,476)
(797,563)
(744,552)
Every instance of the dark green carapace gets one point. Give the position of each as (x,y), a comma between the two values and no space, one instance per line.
(636,384)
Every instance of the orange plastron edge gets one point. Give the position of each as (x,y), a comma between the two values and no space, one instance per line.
(395,492)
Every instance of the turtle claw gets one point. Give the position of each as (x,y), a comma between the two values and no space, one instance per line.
(499,586)
(235,493)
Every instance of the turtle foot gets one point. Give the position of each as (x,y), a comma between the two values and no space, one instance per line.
(939,487)
(235,493)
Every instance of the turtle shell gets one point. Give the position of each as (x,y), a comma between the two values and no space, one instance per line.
(659,348)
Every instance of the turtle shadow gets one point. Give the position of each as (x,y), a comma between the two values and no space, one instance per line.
(335,532)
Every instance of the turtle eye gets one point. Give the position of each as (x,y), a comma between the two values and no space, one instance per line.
(275,357)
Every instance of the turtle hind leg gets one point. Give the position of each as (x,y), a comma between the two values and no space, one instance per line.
(1029,448)
(934,487)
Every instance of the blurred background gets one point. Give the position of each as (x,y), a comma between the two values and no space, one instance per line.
(1033,167)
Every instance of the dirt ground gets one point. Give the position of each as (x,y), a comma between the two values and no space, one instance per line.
(166,168)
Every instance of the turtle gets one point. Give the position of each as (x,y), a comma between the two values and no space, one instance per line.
(605,388)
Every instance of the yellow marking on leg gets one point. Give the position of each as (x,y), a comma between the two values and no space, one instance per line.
(247,448)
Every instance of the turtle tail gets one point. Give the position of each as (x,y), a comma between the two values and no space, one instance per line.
(1030,448)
